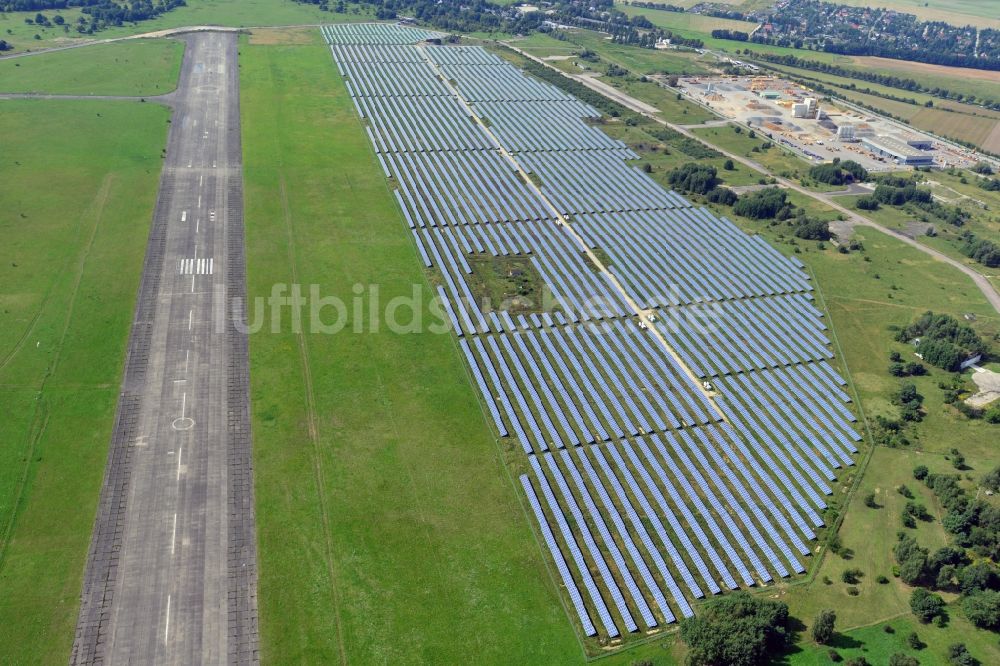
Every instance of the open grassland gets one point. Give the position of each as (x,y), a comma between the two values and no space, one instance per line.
(542,45)
(663,158)
(636,60)
(685,20)
(80,180)
(21,35)
(877,645)
(230,13)
(141,67)
(775,158)
(389,530)
(980,13)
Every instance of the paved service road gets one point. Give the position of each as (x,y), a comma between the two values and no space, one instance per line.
(171,573)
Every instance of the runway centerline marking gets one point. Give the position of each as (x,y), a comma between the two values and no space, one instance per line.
(166,631)
(173,536)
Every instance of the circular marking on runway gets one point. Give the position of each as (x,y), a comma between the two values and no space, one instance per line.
(183,423)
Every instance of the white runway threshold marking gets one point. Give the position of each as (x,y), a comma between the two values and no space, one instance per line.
(195,266)
(184,216)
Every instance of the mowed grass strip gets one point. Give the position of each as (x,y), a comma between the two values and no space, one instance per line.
(388,529)
(141,67)
(80,180)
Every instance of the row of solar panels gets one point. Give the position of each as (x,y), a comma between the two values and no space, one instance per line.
(637,517)
(415,77)
(464,188)
(581,384)
(375,33)
(567,286)
(581,294)
(724,337)
(688,256)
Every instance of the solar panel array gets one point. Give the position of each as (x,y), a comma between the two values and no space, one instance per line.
(650,491)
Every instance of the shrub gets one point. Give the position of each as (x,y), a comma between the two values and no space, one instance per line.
(926,605)
(737,629)
(983,609)
(822,629)
(958,655)
(762,204)
(900,659)
(851,576)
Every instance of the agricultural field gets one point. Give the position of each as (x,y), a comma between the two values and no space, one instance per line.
(80,183)
(978,82)
(142,67)
(956,12)
(371,450)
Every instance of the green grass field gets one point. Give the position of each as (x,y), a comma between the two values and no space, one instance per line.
(389,530)
(685,21)
(778,160)
(234,13)
(146,67)
(80,180)
(636,60)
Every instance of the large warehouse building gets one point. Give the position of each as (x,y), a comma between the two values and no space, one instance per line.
(899,151)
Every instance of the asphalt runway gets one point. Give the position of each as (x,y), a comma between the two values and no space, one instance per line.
(171,573)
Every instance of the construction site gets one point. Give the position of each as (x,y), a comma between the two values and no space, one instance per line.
(819,129)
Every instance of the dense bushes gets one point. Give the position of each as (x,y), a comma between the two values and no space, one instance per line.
(812,229)
(944,342)
(722,195)
(981,250)
(737,630)
(694,178)
(839,173)
(926,605)
(762,204)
